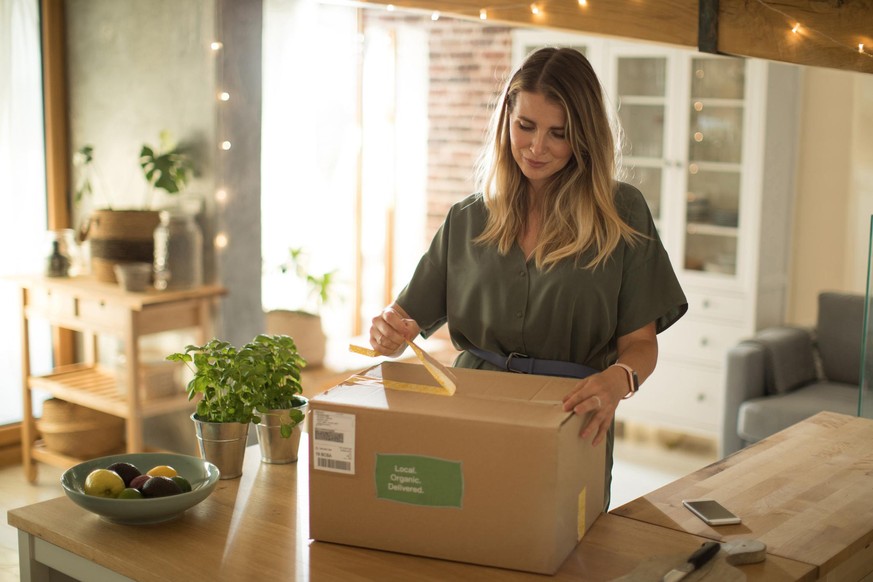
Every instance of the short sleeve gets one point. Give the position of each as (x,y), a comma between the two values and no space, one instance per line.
(424,297)
(650,290)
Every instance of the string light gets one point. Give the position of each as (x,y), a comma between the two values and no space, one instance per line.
(221,240)
(216,46)
(536,8)
(390,8)
(221,196)
(807,31)
(224,96)
(435,15)
(225,145)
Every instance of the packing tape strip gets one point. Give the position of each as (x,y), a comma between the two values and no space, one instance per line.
(364,351)
(410,387)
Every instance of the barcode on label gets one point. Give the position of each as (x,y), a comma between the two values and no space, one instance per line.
(329,435)
(334,464)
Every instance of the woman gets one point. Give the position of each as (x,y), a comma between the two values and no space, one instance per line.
(554,267)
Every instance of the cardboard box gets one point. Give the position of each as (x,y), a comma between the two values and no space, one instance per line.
(494,475)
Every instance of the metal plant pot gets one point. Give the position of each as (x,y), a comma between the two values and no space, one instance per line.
(275,448)
(223,444)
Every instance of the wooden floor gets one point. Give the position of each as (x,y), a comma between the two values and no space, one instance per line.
(644,461)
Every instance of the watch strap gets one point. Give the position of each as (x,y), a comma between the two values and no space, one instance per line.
(632,379)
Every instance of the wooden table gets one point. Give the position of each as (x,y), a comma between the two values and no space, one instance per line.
(93,308)
(806,492)
(257,527)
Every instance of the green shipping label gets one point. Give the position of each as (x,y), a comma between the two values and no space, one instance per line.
(419,480)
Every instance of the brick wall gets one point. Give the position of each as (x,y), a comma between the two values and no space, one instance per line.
(468,63)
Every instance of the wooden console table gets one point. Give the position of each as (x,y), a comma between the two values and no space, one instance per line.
(806,492)
(258,525)
(93,307)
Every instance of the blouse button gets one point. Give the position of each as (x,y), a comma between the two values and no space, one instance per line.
(519,314)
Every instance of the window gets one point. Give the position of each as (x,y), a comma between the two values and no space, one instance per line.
(344,157)
(22,186)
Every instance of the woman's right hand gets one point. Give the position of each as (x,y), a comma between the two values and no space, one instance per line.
(390,330)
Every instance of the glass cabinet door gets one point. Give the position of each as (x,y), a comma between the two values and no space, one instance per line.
(715,137)
(641,94)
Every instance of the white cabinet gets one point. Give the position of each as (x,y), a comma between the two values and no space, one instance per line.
(710,142)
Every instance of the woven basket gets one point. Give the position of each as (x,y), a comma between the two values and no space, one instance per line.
(77,431)
(120,236)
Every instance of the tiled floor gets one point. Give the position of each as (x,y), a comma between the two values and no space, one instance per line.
(644,461)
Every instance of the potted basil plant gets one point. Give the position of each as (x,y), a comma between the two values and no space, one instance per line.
(281,406)
(240,386)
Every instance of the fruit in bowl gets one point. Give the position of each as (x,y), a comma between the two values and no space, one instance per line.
(116,489)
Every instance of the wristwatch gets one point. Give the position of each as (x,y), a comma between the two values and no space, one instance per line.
(632,379)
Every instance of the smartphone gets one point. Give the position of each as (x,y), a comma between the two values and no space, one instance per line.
(711,511)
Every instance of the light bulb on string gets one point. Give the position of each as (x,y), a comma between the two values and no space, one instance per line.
(483,15)
(390,8)
(535,9)
(224,96)
(216,46)
(435,15)
(861,47)
(221,241)
(221,196)
(583,3)
(225,145)
(796,28)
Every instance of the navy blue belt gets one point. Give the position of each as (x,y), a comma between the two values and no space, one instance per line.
(523,364)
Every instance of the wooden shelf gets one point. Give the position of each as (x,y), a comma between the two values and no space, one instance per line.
(95,308)
(97,388)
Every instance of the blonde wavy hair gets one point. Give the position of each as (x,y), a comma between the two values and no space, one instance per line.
(578,213)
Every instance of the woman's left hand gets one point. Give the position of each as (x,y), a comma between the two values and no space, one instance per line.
(598,394)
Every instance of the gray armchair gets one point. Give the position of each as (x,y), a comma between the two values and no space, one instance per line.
(786,374)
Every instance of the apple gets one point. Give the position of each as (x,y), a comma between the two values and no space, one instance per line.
(103,483)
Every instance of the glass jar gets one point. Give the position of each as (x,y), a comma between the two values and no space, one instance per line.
(178,251)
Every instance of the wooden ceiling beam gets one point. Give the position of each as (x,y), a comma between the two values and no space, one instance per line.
(829,35)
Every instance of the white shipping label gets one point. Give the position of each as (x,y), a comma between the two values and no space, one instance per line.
(333,441)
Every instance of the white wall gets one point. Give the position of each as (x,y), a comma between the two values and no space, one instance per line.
(834,189)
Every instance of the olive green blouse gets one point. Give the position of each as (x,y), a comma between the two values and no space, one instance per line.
(504,304)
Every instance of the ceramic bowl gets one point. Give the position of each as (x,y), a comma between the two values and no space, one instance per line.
(202,475)
(136,277)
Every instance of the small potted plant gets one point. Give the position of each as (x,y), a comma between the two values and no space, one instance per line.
(235,388)
(125,235)
(281,406)
(313,290)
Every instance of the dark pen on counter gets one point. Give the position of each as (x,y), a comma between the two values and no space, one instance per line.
(695,561)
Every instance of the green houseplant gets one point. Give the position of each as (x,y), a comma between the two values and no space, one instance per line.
(257,383)
(125,235)
(312,291)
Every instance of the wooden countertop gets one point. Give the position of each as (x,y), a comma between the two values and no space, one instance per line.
(806,492)
(257,525)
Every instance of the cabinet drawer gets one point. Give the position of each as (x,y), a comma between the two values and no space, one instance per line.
(96,312)
(52,304)
(704,341)
(680,396)
(708,305)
